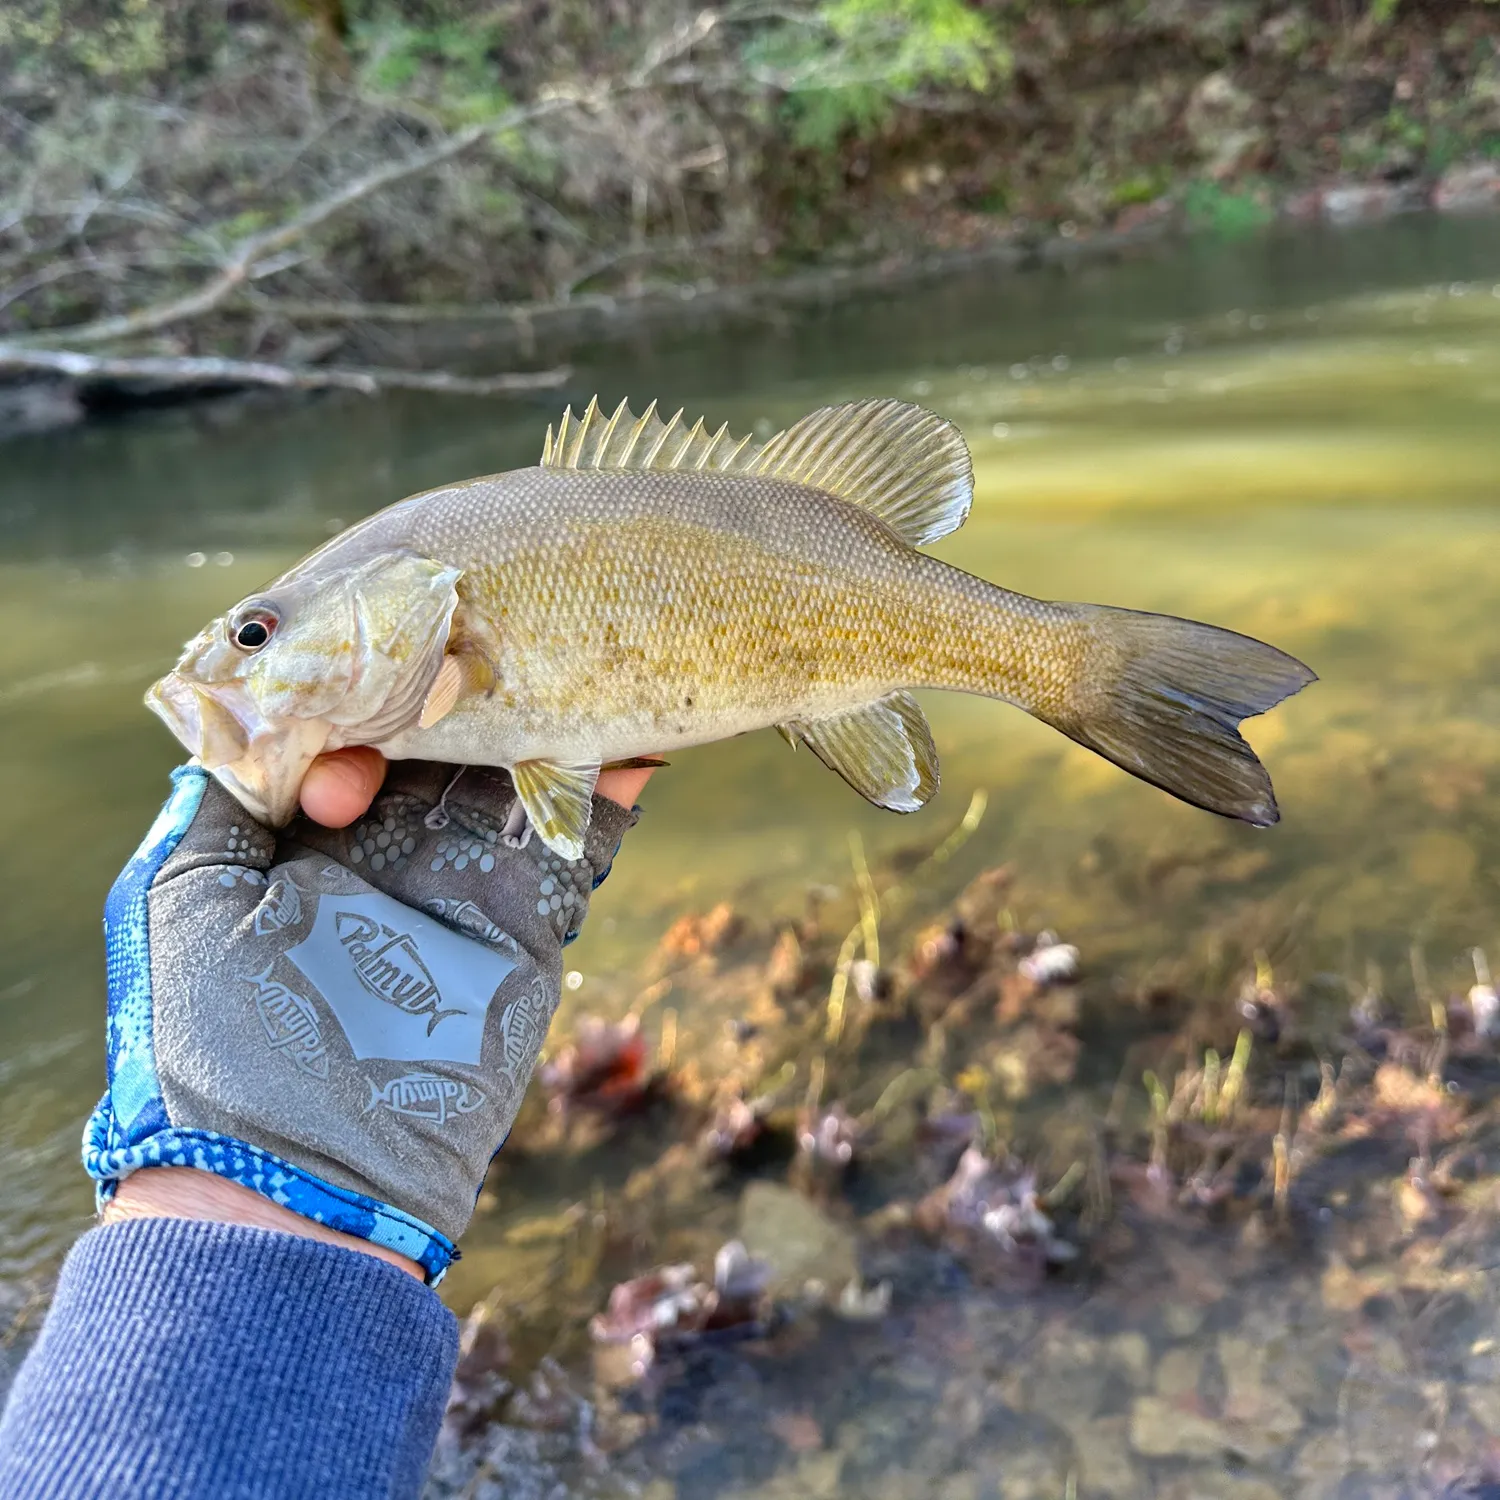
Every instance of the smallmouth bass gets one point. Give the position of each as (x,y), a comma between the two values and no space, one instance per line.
(650,586)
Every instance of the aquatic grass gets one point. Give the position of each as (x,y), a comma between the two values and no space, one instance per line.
(865,934)
(1282,1156)
(1059,1193)
(905,1088)
(1234,1079)
(666,1051)
(838,989)
(1210,1092)
(1432,1002)
(869,900)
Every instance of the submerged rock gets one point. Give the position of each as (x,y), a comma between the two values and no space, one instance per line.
(1102,1448)
(1473,187)
(481,1382)
(1050,962)
(802,1244)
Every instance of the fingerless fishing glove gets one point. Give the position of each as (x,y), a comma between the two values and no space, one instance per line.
(343,1020)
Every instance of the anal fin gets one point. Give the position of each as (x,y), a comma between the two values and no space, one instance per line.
(884,751)
(558,801)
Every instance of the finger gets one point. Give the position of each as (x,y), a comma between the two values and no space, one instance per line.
(339,787)
(623,787)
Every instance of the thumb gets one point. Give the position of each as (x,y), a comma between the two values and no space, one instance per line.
(340,786)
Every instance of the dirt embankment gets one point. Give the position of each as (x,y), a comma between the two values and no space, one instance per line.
(221,201)
(1222,114)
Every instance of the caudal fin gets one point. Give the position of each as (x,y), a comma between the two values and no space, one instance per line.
(1163,698)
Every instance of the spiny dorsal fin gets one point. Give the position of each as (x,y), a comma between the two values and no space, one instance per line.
(883,750)
(904,464)
(907,465)
(625,441)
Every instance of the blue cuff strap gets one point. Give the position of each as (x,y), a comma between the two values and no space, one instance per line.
(284,1183)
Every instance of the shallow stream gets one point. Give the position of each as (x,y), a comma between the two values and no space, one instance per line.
(1297,437)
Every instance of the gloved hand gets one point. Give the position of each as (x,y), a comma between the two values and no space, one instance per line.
(343,1020)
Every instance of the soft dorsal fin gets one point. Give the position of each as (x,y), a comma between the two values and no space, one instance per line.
(903,464)
(907,465)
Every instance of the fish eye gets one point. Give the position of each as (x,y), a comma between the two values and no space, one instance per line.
(253,625)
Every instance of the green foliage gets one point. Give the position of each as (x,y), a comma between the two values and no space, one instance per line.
(850,63)
(449,64)
(120,40)
(1402,128)
(1231,212)
(1144,187)
(1382,12)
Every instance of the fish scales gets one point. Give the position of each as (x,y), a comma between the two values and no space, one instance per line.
(746,598)
(649,587)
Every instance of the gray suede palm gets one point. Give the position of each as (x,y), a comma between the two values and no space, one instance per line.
(368,1003)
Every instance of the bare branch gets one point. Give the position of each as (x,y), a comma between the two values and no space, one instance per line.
(678,43)
(413,312)
(241,372)
(233,267)
(104,267)
(245,259)
(642,254)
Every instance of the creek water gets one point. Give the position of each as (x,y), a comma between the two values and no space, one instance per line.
(1297,437)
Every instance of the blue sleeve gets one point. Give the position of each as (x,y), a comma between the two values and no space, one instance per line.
(187,1359)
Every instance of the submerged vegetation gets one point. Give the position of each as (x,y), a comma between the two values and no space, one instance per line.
(270,185)
(902,1239)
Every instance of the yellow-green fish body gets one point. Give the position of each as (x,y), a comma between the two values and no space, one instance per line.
(649,587)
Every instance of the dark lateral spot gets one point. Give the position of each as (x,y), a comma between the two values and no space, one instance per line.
(687,702)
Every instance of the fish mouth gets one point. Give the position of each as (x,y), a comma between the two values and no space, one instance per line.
(259,761)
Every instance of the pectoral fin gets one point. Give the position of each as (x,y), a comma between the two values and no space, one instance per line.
(884,751)
(462,673)
(557,800)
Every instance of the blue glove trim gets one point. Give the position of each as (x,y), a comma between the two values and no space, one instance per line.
(134,1096)
(107,1162)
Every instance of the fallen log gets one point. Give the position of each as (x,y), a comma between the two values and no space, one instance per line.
(197,371)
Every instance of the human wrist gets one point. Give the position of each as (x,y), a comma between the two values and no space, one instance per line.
(187,1193)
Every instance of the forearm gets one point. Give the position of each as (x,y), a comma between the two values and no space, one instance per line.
(198,1358)
(258,1327)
